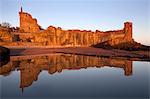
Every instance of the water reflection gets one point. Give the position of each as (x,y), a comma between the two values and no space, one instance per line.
(31,66)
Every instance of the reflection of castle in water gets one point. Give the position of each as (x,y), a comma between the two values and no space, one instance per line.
(30,67)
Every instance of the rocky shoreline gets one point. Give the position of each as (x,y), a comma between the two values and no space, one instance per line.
(4,55)
(129,46)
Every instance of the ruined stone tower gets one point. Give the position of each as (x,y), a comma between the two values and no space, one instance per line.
(128,31)
(27,23)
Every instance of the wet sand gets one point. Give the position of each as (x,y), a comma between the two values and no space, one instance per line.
(89,51)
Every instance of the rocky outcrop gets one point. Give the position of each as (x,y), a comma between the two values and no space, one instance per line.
(5,34)
(4,55)
(130,46)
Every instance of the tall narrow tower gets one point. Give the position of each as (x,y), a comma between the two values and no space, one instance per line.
(128,31)
(20,13)
(27,23)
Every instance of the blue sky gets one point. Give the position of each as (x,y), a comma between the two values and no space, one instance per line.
(83,14)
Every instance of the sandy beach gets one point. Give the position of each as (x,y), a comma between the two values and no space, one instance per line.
(89,51)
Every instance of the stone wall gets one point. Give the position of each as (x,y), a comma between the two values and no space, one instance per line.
(30,33)
(53,36)
(27,23)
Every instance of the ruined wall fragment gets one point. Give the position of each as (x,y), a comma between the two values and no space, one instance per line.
(27,23)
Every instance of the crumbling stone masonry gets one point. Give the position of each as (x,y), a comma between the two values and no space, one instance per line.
(27,23)
(30,32)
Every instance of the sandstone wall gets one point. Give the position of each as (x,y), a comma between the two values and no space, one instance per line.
(27,23)
(30,33)
(53,36)
(57,37)
(5,35)
(128,31)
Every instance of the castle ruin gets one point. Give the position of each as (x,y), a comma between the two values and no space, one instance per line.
(31,34)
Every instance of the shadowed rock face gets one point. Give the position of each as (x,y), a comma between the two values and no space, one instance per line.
(30,67)
(4,55)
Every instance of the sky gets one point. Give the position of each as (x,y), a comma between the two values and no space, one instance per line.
(83,14)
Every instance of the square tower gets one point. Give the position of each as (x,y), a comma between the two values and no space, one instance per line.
(128,31)
(27,23)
